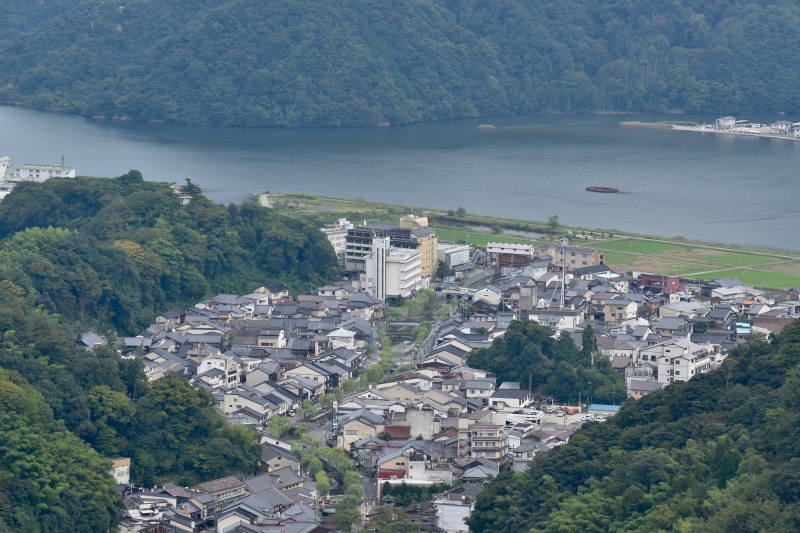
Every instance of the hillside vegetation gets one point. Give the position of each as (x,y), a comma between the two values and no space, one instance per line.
(365,62)
(719,453)
(112,253)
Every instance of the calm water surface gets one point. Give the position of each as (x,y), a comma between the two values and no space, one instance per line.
(721,188)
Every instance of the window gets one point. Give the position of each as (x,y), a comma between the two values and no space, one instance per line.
(351,432)
(677,372)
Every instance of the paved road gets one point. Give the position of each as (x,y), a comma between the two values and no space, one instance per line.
(321,432)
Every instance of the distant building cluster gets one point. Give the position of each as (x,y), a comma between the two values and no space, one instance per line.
(11,176)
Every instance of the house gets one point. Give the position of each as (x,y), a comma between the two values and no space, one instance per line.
(617,310)
(572,256)
(342,338)
(673,327)
(638,388)
(660,284)
(272,338)
(358,425)
(423,514)
(489,294)
(479,389)
(522,455)
(510,399)
(454,506)
(90,341)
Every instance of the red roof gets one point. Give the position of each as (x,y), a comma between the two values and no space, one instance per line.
(399,432)
(388,473)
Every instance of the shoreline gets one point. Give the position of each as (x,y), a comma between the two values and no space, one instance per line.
(706,129)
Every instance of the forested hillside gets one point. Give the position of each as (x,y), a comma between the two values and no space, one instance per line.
(361,62)
(720,453)
(121,250)
(112,253)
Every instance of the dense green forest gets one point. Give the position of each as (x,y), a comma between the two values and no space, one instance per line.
(49,479)
(555,366)
(112,253)
(719,453)
(122,250)
(362,62)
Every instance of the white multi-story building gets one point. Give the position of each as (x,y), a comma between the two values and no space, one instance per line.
(391,272)
(337,236)
(11,176)
(42,172)
(678,359)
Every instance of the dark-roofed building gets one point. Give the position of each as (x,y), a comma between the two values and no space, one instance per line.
(223,491)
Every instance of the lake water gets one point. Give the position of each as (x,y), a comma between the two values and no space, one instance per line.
(729,189)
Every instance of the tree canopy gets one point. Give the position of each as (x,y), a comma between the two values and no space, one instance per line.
(357,63)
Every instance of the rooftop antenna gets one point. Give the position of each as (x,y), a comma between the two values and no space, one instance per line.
(62,161)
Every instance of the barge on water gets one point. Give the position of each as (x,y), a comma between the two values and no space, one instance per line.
(602,189)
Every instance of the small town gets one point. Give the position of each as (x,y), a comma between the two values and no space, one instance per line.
(363,392)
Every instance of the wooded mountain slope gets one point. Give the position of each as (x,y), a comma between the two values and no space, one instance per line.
(719,453)
(122,250)
(364,62)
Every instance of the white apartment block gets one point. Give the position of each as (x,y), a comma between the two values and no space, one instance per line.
(42,172)
(678,360)
(392,272)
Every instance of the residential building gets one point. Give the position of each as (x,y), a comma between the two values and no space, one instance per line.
(572,256)
(616,310)
(678,359)
(638,388)
(508,255)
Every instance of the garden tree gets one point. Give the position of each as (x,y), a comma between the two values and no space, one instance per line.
(346,518)
(497,229)
(461,211)
(326,400)
(716,453)
(278,426)
(49,479)
(307,408)
(323,483)
(314,467)
(553,223)
(373,374)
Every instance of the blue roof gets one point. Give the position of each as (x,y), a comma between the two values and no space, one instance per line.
(603,407)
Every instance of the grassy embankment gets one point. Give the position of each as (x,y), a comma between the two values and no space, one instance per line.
(691,260)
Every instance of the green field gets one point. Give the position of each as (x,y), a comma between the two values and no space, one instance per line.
(671,257)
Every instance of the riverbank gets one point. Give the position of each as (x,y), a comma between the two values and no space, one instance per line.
(709,128)
(691,260)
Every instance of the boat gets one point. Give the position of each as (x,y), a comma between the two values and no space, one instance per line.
(602,189)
